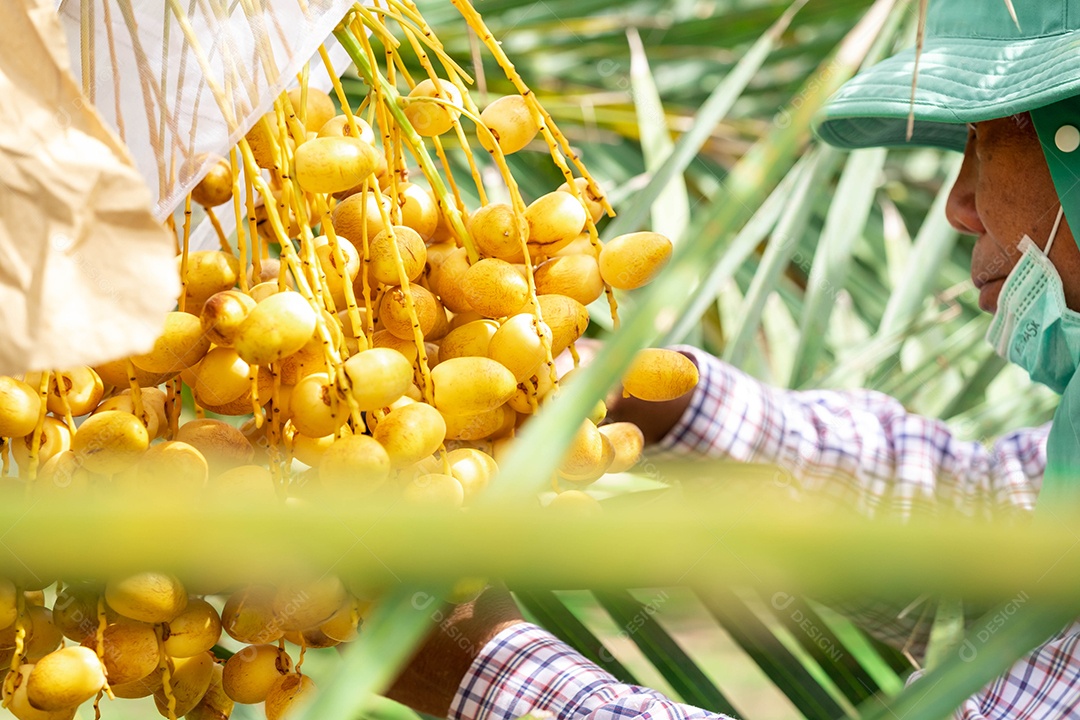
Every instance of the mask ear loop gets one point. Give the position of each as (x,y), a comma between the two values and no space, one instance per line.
(1053,233)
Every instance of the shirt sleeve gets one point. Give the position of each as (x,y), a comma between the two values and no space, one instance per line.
(864,450)
(859,447)
(524,668)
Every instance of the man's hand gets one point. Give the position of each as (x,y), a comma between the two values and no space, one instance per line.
(655,419)
(431,679)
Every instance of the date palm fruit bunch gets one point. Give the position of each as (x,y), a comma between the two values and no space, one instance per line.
(146,635)
(364,335)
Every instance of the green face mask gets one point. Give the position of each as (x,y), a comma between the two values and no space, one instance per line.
(1032,327)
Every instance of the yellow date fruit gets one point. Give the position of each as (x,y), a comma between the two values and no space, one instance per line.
(195,630)
(65,679)
(576,276)
(410,248)
(471,385)
(554,221)
(208,272)
(54,439)
(318,111)
(591,198)
(19,703)
(628,441)
(521,345)
(497,232)
(20,405)
(109,442)
(378,377)
(659,375)
(316,407)
(567,318)
(510,122)
(216,186)
(215,704)
(150,597)
(223,313)
(131,651)
(354,464)
(182,344)
(411,433)
(433,118)
(338,126)
(277,327)
(221,444)
(190,680)
(333,164)
(249,674)
(494,288)
(630,261)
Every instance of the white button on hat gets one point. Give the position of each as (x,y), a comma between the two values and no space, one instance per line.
(1067,138)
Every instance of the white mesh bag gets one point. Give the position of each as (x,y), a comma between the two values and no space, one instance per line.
(183,80)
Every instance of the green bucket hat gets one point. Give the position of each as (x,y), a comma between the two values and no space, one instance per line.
(977,64)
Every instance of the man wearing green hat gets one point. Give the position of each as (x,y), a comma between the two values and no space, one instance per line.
(1004,89)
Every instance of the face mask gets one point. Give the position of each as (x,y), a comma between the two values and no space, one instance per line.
(1032,326)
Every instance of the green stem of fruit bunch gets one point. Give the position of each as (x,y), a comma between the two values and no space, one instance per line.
(392,100)
(725,540)
(541,444)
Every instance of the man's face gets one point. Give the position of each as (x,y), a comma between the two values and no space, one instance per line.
(1004,192)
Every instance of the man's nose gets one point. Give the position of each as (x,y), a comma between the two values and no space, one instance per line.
(960,208)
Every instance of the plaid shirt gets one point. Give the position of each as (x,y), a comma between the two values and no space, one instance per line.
(861,448)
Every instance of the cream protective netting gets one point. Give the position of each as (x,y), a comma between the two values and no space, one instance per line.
(181,81)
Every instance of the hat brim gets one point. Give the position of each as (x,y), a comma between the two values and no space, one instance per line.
(960,81)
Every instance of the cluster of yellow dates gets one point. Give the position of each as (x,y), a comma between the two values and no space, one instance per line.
(417,387)
(144,636)
(363,333)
